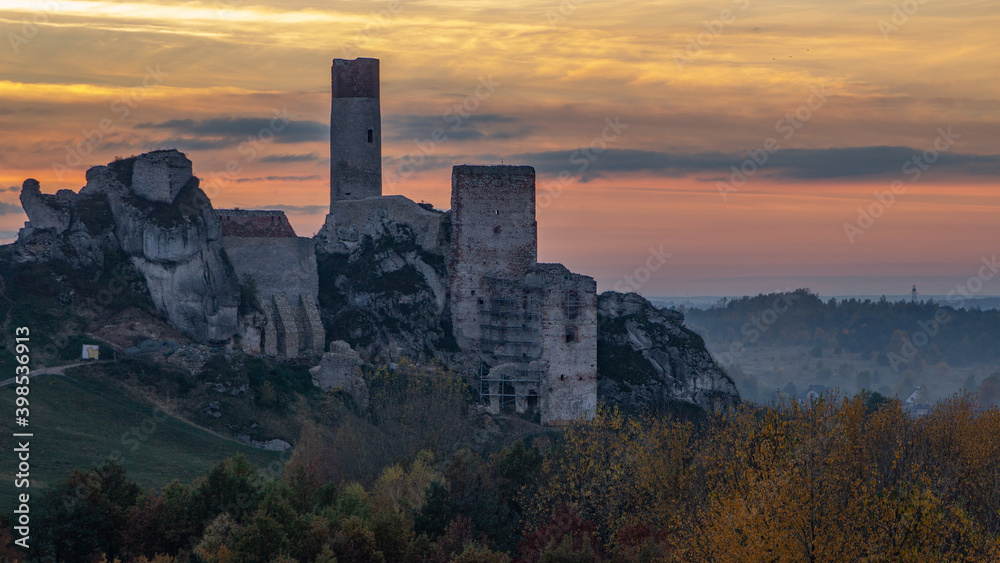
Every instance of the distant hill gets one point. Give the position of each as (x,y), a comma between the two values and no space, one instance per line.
(709,301)
(892,330)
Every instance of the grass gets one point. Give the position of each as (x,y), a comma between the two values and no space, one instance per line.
(80,421)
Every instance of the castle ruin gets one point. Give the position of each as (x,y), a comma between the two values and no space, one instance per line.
(532,328)
(262,246)
(400,279)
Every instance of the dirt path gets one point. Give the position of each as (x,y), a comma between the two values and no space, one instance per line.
(57,370)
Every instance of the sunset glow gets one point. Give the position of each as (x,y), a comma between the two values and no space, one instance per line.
(634,114)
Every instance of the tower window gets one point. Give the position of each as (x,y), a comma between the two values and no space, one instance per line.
(371,135)
(571,334)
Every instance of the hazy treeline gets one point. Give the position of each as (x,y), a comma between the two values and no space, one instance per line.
(892,332)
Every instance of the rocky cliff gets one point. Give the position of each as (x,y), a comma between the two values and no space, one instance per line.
(646,357)
(383,279)
(150,208)
(382,290)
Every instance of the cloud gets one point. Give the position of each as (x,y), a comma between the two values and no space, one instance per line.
(812,164)
(489,126)
(262,128)
(185,144)
(280,179)
(417,161)
(290,157)
(293,209)
(10,189)
(9,208)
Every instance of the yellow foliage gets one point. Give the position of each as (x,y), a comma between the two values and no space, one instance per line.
(838,480)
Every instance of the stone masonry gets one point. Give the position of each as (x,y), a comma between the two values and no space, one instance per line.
(261,244)
(355,130)
(534,325)
(531,327)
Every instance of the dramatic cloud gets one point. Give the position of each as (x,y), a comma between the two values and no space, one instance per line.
(290,157)
(308,178)
(292,209)
(273,129)
(455,127)
(8,208)
(530,83)
(789,164)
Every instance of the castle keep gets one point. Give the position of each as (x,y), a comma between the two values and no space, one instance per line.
(531,328)
(355,131)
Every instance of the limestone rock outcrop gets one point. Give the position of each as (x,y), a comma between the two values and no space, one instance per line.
(340,370)
(352,220)
(45,211)
(64,226)
(383,279)
(150,208)
(646,357)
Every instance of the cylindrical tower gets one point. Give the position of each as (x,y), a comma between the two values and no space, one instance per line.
(355,130)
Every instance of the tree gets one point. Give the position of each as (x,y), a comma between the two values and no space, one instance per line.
(86,515)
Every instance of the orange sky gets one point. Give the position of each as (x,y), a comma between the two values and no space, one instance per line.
(846,93)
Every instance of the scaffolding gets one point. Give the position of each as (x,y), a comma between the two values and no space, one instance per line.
(573,303)
(510,333)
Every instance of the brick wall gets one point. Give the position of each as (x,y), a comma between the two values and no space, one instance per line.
(254,223)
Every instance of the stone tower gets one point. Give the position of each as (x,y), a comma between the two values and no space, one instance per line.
(355,130)
(494,236)
(533,325)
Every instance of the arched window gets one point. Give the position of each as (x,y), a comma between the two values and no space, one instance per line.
(571,334)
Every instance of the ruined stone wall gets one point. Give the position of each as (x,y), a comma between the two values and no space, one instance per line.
(494,234)
(569,343)
(285,325)
(285,264)
(285,272)
(313,333)
(254,223)
(355,130)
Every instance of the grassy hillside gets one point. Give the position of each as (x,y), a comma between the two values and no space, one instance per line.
(79,421)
